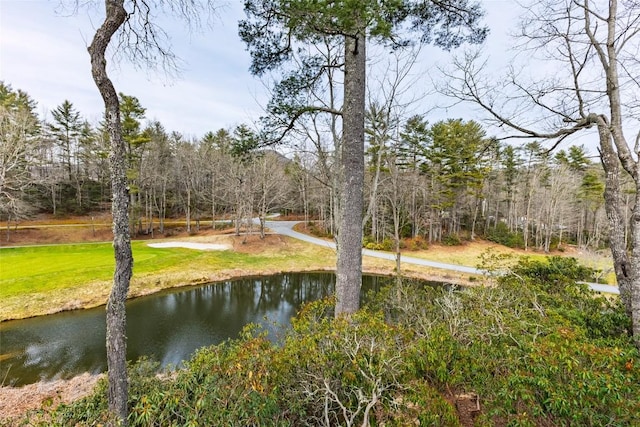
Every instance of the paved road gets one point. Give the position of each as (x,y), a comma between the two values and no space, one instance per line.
(286,229)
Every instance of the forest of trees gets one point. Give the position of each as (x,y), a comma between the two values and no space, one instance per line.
(440,182)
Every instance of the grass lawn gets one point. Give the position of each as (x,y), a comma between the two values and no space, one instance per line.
(44,279)
(37,280)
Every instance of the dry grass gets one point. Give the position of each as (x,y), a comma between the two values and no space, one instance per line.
(16,401)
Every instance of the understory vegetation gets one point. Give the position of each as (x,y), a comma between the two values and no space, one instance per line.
(536,349)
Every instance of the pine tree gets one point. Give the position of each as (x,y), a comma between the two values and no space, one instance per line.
(277,30)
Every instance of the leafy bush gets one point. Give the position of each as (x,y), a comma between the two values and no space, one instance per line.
(537,348)
(387,244)
(535,353)
(500,234)
(569,381)
(346,371)
(555,269)
(426,406)
(318,230)
(451,240)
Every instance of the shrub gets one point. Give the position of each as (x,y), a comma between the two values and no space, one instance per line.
(536,353)
(345,371)
(537,348)
(416,243)
(569,381)
(387,244)
(426,406)
(500,234)
(318,231)
(451,240)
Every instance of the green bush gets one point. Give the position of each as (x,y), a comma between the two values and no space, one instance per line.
(569,381)
(318,231)
(344,371)
(536,353)
(500,234)
(554,270)
(426,406)
(387,244)
(537,348)
(451,240)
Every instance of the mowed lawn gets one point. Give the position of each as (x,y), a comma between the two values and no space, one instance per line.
(44,279)
(35,269)
(49,268)
(37,280)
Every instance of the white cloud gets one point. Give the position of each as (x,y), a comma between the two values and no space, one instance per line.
(44,53)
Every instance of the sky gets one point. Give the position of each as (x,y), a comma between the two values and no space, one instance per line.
(43,51)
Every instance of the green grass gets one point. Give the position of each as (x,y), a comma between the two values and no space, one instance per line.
(34,269)
(50,268)
(44,279)
(40,280)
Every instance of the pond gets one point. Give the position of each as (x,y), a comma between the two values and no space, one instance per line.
(167,327)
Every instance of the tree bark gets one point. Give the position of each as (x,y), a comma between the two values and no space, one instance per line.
(629,268)
(116,316)
(613,207)
(349,262)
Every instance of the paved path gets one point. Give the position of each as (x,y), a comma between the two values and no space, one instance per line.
(286,229)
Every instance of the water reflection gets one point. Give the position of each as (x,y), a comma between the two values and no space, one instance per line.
(168,327)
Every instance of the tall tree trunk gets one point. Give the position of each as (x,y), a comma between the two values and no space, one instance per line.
(475,217)
(163,214)
(373,197)
(213,201)
(631,271)
(349,262)
(396,237)
(613,207)
(54,198)
(527,213)
(116,316)
(188,210)
(634,282)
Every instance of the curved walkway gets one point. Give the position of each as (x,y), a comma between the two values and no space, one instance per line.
(286,229)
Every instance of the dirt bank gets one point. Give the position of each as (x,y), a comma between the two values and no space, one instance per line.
(15,402)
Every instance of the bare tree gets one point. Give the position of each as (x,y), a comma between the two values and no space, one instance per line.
(394,94)
(19,139)
(154,179)
(115,17)
(140,40)
(587,79)
(271,185)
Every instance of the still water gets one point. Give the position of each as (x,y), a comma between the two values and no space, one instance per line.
(167,327)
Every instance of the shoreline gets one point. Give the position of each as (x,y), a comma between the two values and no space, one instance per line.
(222,276)
(16,402)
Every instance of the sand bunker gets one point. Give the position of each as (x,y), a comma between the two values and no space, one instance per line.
(191,245)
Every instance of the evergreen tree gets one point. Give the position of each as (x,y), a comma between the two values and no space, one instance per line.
(456,155)
(276,30)
(414,138)
(65,131)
